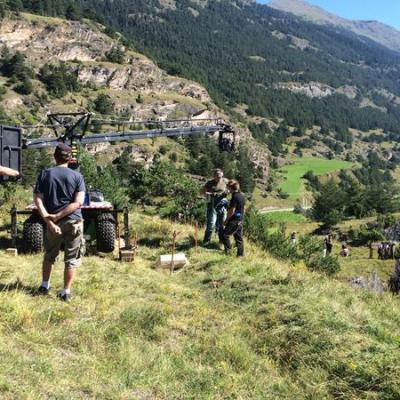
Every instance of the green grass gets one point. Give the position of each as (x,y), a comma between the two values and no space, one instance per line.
(293,185)
(222,329)
(285,217)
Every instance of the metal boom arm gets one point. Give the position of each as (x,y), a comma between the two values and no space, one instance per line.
(129,135)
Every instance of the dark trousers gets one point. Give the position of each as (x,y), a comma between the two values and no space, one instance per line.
(234,228)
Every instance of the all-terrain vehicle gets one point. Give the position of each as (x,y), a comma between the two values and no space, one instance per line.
(100,225)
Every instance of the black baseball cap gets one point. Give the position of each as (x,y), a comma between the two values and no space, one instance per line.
(63,151)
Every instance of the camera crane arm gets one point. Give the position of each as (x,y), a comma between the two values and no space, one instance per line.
(125,136)
(74,132)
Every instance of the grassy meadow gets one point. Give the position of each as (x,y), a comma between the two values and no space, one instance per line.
(284,217)
(359,264)
(294,185)
(223,328)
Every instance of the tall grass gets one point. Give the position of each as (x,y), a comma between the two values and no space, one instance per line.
(225,328)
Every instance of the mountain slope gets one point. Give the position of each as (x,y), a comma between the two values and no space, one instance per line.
(137,89)
(381,33)
(243,54)
(260,61)
(84,47)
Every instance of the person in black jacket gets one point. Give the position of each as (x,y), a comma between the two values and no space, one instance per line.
(234,219)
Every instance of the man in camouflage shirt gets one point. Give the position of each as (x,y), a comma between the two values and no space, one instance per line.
(215,191)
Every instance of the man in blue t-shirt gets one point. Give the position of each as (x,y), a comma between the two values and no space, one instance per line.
(59,195)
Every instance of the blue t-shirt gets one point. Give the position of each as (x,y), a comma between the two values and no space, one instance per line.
(58,186)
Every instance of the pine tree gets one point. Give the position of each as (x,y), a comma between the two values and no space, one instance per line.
(329,204)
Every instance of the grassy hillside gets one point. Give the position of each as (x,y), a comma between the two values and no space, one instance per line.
(224,328)
(293,173)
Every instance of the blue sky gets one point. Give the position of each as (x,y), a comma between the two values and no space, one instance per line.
(387,11)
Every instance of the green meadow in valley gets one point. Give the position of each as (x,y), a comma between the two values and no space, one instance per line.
(293,184)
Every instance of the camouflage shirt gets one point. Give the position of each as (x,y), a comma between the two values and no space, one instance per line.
(219,189)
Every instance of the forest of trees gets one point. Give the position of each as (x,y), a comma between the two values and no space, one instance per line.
(217,48)
(361,193)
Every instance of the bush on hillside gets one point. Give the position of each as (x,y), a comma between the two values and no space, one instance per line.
(103,104)
(106,179)
(169,188)
(25,87)
(116,55)
(309,248)
(328,265)
(329,204)
(58,79)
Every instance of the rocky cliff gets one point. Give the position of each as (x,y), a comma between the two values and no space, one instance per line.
(83,46)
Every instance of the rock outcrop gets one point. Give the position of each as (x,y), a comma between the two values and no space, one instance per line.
(317,89)
(139,89)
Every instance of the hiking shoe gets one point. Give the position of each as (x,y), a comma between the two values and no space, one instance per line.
(44,291)
(64,297)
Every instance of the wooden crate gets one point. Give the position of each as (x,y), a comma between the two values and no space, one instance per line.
(127,255)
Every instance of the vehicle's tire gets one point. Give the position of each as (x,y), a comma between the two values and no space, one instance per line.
(33,234)
(105,233)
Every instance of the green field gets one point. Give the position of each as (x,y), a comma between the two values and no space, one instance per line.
(293,185)
(284,217)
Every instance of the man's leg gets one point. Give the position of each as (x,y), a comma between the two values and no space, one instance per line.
(73,234)
(238,235)
(226,241)
(69,275)
(52,249)
(211,219)
(229,230)
(221,216)
(47,268)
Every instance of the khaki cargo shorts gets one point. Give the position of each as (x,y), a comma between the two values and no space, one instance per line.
(72,235)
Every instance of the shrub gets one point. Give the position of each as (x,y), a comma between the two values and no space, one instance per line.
(163,149)
(59,80)
(173,157)
(176,194)
(329,204)
(25,87)
(116,55)
(328,265)
(309,248)
(283,195)
(103,104)
(3,91)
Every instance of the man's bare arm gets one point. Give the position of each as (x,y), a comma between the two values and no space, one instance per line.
(38,200)
(70,208)
(4,171)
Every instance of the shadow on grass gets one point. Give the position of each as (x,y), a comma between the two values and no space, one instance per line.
(5,243)
(187,245)
(151,242)
(209,265)
(18,286)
